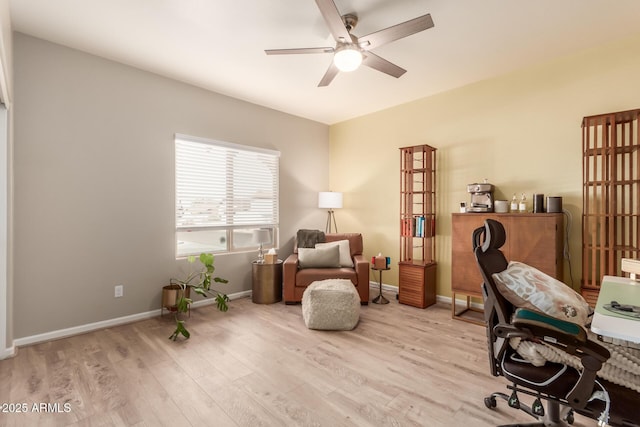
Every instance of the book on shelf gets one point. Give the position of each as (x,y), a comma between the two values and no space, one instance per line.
(422,226)
(418,226)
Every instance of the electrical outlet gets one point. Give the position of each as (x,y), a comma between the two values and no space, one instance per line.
(119,291)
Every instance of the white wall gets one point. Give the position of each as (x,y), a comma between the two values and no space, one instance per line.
(94,182)
(6,90)
(5,53)
(6,336)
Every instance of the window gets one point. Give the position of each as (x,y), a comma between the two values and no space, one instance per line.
(224,192)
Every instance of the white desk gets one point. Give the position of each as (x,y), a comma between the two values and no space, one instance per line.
(610,324)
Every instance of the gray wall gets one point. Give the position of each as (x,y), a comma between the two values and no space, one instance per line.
(94,182)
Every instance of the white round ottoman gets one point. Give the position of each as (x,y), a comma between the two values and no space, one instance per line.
(331,305)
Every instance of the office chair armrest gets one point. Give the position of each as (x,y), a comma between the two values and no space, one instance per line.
(545,326)
(560,333)
(533,325)
(572,339)
(508,331)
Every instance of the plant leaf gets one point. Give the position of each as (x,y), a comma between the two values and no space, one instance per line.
(183,304)
(221,302)
(184,331)
(206,259)
(180,329)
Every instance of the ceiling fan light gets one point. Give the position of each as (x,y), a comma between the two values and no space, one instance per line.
(347,59)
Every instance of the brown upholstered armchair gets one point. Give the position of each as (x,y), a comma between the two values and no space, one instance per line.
(296,279)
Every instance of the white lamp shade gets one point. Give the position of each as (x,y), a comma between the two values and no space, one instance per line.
(347,59)
(261,235)
(329,200)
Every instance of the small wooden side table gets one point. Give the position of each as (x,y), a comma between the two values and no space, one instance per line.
(380,299)
(267,282)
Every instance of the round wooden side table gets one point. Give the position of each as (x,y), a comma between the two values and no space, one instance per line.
(267,282)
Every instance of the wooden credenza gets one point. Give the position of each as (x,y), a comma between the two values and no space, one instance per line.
(534,239)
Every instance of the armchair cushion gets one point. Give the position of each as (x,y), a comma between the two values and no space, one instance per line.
(345,251)
(526,287)
(328,257)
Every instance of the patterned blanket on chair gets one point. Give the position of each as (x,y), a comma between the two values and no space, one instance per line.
(622,368)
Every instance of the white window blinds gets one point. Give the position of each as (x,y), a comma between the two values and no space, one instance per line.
(224,186)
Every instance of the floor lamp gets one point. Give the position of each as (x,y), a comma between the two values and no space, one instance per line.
(330,200)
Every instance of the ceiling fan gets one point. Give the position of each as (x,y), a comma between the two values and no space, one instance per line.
(350,51)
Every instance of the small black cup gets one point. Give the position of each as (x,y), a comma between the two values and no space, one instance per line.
(538,203)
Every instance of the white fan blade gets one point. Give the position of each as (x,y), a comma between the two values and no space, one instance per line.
(334,20)
(377,63)
(396,32)
(299,50)
(332,71)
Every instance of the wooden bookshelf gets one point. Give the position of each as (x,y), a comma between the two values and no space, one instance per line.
(417,266)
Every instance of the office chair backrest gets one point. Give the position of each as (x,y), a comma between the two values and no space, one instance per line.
(487,241)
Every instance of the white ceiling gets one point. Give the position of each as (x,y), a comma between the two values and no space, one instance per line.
(219,44)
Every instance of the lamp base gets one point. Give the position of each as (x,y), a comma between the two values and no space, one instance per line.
(331,217)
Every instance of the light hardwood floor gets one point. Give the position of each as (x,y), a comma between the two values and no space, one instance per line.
(258,365)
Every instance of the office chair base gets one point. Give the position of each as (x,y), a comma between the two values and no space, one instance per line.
(552,417)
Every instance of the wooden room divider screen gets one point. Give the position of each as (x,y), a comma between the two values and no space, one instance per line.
(611,196)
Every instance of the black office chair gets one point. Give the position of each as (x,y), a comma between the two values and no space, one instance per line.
(564,388)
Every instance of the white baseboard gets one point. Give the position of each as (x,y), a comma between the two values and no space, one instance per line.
(439,298)
(7,352)
(62,333)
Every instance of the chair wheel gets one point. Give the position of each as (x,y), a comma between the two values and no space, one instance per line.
(490,402)
(570,418)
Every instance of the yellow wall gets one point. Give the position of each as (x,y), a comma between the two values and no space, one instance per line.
(521,131)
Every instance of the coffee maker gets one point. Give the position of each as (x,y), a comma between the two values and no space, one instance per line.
(481,197)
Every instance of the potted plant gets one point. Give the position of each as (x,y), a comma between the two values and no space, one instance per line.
(200,281)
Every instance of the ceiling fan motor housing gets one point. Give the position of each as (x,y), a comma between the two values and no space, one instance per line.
(350,21)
